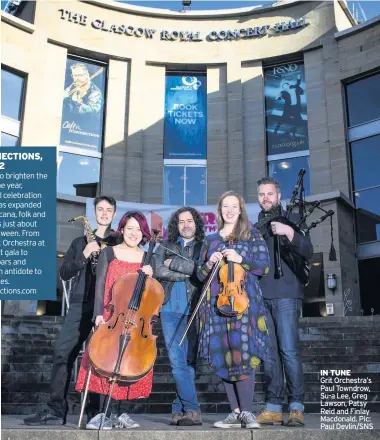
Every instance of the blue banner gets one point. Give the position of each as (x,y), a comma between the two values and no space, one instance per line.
(185,117)
(28,218)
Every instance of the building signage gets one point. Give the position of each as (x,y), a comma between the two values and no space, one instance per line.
(182,35)
(286,109)
(185,117)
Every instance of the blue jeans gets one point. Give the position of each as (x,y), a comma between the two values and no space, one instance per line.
(283,355)
(173,326)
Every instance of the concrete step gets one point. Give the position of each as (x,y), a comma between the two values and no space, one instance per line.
(156,427)
(18,380)
(139,407)
(309,367)
(326,356)
(214,397)
(170,387)
(42,346)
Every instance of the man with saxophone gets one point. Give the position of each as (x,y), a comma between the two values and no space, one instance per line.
(283,299)
(79,265)
(175,266)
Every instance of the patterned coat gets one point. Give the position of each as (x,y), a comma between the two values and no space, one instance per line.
(234,346)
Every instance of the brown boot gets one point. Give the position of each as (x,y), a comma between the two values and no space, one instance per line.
(270,418)
(175,418)
(190,418)
(295,418)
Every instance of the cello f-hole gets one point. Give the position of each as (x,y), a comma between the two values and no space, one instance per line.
(143,328)
(111,327)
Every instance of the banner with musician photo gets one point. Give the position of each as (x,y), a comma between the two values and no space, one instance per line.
(286,109)
(83,105)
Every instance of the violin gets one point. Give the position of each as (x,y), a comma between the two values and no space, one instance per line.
(232,299)
(124,348)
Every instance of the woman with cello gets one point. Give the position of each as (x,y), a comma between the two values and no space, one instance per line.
(233,334)
(114,262)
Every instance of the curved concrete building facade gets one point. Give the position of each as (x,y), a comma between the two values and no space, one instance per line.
(239,55)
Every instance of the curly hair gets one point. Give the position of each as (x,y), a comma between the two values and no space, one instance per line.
(173,232)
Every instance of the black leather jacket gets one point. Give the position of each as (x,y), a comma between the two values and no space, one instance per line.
(179,270)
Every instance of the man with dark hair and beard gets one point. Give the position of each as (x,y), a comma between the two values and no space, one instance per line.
(283,299)
(175,267)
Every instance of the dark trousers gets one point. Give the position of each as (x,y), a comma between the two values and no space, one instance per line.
(240,393)
(74,332)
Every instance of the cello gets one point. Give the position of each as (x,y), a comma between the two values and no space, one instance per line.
(124,348)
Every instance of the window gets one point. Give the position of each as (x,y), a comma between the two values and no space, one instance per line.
(363,98)
(12,101)
(369,270)
(78,175)
(363,108)
(286,125)
(286,172)
(24,10)
(81,140)
(185,185)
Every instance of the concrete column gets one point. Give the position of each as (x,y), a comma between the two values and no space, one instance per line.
(42,127)
(253,128)
(217,143)
(319,145)
(153,138)
(235,127)
(115,130)
(137,113)
(339,162)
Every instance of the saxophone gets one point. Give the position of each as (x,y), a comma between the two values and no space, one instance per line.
(90,238)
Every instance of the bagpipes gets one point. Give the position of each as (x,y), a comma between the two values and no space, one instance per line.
(282,248)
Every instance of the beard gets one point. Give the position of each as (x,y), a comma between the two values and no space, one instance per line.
(187,233)
(272,209)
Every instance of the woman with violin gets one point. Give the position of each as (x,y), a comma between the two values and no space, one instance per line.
(233,333)
(114,263)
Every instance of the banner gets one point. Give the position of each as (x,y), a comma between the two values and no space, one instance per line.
(83,105)
(158,215)
(185,135)
(285,109)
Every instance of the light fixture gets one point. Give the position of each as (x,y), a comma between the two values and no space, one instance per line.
(60,255)
(285,165)
(83,162)
(315,264)
(331,281)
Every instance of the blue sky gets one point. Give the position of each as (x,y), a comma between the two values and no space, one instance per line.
(370,7)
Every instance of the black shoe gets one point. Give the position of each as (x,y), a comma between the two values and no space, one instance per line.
(44,417)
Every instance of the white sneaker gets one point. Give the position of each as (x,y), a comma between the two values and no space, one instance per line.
(124,421)
(96,422)
(231,421)
(248,420)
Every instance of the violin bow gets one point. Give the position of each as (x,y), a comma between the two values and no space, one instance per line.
(178,255)
(203,294)
(98,72)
